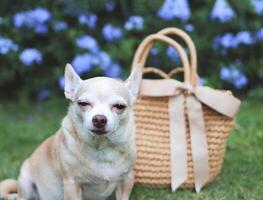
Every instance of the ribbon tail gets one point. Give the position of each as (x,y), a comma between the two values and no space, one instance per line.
(177,141)
(198,142)
(223,102)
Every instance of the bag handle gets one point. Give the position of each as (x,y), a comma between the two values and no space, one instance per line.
(143,50)
(161,73)
(190,46)
(157,71)
(175,71)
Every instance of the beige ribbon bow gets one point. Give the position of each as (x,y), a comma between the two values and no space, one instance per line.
(223,102)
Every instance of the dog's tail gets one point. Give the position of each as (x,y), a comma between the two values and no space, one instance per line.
(8,187)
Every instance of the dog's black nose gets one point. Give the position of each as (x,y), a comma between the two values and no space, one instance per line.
(99,121)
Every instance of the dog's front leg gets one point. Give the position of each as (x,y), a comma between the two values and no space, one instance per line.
(125,186)
(72,189)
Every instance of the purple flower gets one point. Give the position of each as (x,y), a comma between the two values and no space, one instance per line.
(225,74)
(87,42)
(258,6)
(134,22)
(37,19)
(244,37)
(61,82)
(7,45)
(94,60)
(60,26)
(110,5)
(165,12)
(154,51)
(222,11)
(82,63)
(259,34)
(113,71)
(228,40)
(201,81)
(111,33)
(90,20)
(104,60)
(240,81)
(30,56)
(172,9)
(172,53)
(233,75)
(189,27)
(20,19)
(41,29)
(40,15)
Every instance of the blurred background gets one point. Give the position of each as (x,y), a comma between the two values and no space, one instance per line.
(100,37)
(37,39)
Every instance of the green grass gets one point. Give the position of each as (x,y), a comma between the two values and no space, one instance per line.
(24,125)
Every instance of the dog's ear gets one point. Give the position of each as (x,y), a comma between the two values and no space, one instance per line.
(134,81)
(72,81)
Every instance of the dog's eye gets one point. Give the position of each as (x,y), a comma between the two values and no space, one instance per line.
(81,103)
(119,106)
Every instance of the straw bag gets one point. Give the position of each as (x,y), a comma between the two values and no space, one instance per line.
(182,127)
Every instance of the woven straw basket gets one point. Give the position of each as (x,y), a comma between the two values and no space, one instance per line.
(153,165)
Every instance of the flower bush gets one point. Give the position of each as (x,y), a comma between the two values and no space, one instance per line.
(100,37)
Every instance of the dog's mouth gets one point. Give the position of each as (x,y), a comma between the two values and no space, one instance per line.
(99,132)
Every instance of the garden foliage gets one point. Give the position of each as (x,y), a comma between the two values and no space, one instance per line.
(37,39)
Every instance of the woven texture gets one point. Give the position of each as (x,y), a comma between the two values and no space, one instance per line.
(152,166)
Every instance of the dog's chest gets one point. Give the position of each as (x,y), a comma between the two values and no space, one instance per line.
(100,165)
(109,163)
